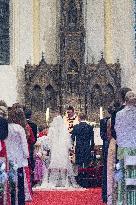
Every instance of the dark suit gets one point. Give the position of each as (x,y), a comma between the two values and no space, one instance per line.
(3,128)
(34,128)
(84,135)
(105,146)
(31,160)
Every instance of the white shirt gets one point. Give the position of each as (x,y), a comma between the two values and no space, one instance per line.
(125,127)
(16,145)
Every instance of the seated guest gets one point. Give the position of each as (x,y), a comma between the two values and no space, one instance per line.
(125,127)
(83,136)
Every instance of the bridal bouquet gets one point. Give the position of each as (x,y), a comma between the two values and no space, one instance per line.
(3,175)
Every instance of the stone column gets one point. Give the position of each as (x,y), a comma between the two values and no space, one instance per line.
(108,53)
(123,38)
(94,25)
(36,31)
(49,16)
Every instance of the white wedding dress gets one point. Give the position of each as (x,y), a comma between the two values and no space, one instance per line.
(60,174)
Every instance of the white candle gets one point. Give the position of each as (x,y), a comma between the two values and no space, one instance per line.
(90,142)
(101,113)
(75,141)
(47,115)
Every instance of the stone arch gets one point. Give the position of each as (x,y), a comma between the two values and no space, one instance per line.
(37,98)
(50,97)
(96,96)
(109,94)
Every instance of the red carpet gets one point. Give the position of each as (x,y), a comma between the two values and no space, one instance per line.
(87,197)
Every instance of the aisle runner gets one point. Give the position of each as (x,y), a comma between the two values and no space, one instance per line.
(67,197)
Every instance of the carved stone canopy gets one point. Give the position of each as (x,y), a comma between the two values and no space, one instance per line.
(97,86)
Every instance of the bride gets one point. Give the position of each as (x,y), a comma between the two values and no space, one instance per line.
(60,172)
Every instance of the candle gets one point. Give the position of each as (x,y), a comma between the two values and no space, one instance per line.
(75,141)
(101,113)
(90,142)
(47,115)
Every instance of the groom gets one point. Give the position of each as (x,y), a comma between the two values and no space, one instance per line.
(83,136)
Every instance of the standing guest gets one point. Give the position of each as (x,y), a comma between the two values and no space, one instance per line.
(5,198)
(122,95)
(71,118)
(103,134)
(29,135)
(39,163)
(125,127)
(83,136)
(17,141)
(111,184)
(28,115)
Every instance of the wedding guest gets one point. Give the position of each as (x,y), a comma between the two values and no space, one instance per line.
(28,115)
(40,168)
(111,159)
(5,197)
(125,127)
(17,141)
(103,134)
(83,136)
(122,94)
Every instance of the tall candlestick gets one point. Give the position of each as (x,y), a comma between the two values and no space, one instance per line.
(47,115)
(101,113)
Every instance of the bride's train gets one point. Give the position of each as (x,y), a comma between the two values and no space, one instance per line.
(58,179)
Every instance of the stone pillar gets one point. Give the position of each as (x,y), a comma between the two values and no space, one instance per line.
(36,31)
(108,53)
(49,15)
(123,38)
(94,25)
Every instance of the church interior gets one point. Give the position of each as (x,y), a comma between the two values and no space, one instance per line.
(77,46)
(56,53)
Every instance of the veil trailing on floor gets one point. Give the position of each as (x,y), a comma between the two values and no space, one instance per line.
(60,172)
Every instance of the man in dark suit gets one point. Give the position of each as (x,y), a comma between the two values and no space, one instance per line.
(83,136)
(122,94)
(28,114)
